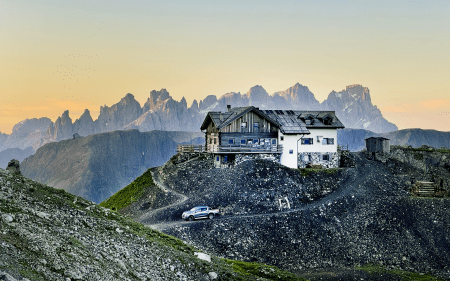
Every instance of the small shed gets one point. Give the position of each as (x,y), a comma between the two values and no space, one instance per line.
(378,144)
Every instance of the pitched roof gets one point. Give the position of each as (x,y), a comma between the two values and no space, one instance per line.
(289,121)
(297,119)
(223,119)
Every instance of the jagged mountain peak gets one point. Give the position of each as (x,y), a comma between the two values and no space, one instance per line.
(156,99)
(297,97)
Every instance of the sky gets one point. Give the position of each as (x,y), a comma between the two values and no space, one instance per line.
(58,55)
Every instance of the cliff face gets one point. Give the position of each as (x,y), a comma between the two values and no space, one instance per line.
(119,115)
(27,133)
(298,97)
(84,125)
(353,106)
(97,166)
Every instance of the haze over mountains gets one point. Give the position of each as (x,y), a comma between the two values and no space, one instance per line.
(353,107)
(97,166)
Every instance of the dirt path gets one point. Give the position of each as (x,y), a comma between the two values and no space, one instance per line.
(160,184)
(356,179)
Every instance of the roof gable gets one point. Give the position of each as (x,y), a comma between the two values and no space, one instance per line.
(288,121)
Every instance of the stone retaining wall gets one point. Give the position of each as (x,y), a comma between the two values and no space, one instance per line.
(269,156)
(316,158)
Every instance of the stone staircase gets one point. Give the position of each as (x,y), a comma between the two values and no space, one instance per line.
(425,188)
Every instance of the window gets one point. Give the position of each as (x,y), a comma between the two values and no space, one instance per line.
(325,157)
(249,141)
(308,122)
(255,141)
(215,141)
(225,158)
(230,141)
(281,138)
(274,141)
(244,127)
(218,158)
(327,141)
(307,141)
(210,141)
(256,127)
(327,121)
(291,151)
(243,141)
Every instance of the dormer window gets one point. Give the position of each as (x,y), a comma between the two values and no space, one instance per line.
(327,121)
(309,121)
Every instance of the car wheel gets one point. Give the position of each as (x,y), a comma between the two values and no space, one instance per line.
(191,218)
(210,216)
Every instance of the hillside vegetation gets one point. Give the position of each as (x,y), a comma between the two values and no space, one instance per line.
(129,193)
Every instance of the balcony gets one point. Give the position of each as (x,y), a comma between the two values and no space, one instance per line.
(227,149)
(233,148)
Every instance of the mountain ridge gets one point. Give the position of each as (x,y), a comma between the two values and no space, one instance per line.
(353,106)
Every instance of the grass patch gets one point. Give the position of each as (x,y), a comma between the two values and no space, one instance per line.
(129,193)
(252,269)
(308,171)
(405,275)
(75,242)
(441,150)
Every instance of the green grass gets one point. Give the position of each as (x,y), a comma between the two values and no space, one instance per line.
(427,149)
(405,275)
(261,270)
(129,193)
(308,171)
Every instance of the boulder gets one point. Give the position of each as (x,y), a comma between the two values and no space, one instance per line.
(14,167)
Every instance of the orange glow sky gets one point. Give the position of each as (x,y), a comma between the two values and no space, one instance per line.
(57,55)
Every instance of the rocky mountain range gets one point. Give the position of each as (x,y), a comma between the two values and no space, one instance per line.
(353,106)
(97,166)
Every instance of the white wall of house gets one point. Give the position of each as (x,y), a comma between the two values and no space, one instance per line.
(290,142)
(318,145)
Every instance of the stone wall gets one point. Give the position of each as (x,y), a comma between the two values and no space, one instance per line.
(266,156)
(316,158)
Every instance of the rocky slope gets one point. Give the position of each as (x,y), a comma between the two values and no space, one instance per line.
(97,166)
(48,234)
(335,221)
(354,108)
(161,112)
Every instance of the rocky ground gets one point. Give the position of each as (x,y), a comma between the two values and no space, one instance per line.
(48,234)
(335,222)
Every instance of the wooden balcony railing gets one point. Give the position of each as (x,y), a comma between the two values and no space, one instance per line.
(246,149)
(191,148)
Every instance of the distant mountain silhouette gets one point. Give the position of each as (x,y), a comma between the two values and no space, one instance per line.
(353,106)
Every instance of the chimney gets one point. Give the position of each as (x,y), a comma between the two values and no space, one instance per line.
(228,107)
